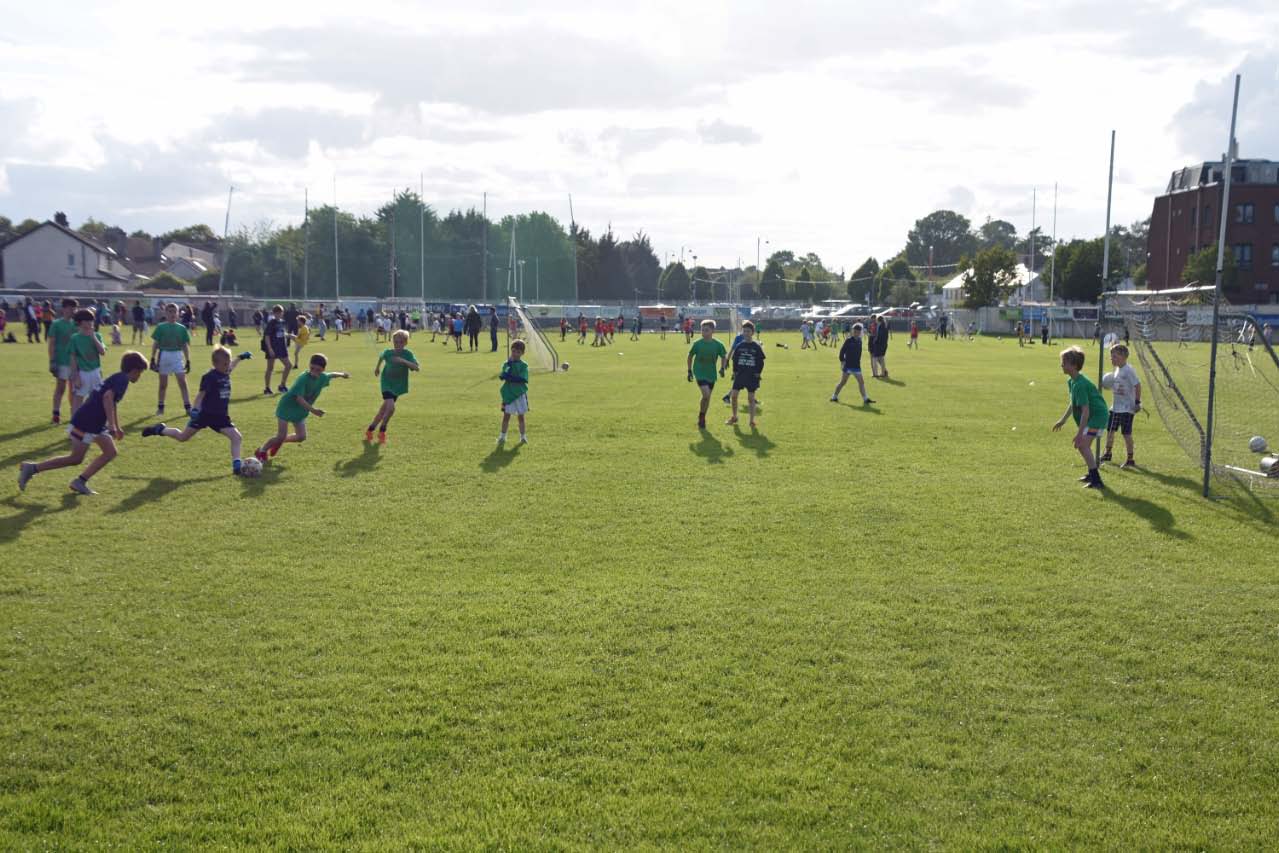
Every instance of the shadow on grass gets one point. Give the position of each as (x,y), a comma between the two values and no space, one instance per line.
(499,457)
(1160,518)
(868,408)
(887,381)
(711,449)
(255,486)
(1236,497)
(11,526)
(62,442)
(754,440)
(156,488)
(368,459)
(23,433)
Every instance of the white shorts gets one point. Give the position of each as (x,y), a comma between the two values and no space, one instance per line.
(64,371)
(88,436)
(172,362)
(90,381)
(518,406)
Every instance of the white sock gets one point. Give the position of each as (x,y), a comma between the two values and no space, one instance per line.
(501,436)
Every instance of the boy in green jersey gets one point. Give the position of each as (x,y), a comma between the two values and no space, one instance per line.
(514,378)
(59,340)
(171,355)
(395,382)
(702,358)
(296,404)
(1088,408)
(87,350)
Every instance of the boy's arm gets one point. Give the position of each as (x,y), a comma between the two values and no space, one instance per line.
(186,355)
(377,368)
(1062,420)
(75,367)
(690,366)
(49,340)
(113,422)
(1136,387)
(97,342)
(340,374)
(199,398)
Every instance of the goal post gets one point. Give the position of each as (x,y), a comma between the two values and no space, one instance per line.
(538,350)
(1190,381)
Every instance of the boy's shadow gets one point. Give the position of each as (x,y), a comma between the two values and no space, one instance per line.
(1243,502)
(23,433)
(156,488)
(1161,519)
(12,525)
(62,441)
(754,440)
(499,457)
(887,381)
(861,407)
(366,461)
(711,449)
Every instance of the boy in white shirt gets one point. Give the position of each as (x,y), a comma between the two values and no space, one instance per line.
(1127,402)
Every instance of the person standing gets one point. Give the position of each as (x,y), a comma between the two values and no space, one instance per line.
(206,317)
(493,327)
(31,313)
(473,326)
(879,347)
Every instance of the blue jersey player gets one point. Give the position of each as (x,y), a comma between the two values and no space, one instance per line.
(211,409)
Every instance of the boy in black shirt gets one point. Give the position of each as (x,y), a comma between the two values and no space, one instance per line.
(748,365)
(212,402)
(275,343)
(850,359)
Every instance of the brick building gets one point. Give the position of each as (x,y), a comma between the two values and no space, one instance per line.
(1186,217)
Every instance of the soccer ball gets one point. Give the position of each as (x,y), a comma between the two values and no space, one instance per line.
(1108,380)
(1257,444)
(250,468)
(564,366)
(1110,340)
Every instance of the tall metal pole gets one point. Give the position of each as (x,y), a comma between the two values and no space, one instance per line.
(1052,274)
(337,276)
(390,268)
(1105,274)
(306,241)
(573,232)
(484,250)
(421,234)
(226,246)
(537,278)
(1030,261)
(1216,292)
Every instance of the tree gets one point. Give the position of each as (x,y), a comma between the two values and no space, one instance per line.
(674,284)
(641,265)
(991,277)
(822,291)
(862,280)
(902,294)
(896,271)
(1079,269)
(167,281)
(93,229)
(785,257)
(997,232)
(7,231)
(26,226)
(193,235)
(1043,247)
(140,234)
(1201,269)
(804,289)
(948,233)
(772,284)
(701,284)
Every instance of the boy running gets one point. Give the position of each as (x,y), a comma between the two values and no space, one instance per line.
(95,422)
(296,404)
(275,343)
(87,350)
(1088,408)
(59,340)
(514,391)
(171,355)
(702,358)
(211,409)
(395,382)
(1127,402)
(748,365)
(850,360)
(299,340)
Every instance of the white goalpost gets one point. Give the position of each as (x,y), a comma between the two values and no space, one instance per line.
(538,351)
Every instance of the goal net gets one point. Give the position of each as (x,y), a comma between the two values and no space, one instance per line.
(538,351)
(1170,333)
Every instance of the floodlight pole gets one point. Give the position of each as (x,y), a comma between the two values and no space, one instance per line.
(1105,276)
(421,235)
(226,245)
(1052,275)
(337,282)
(306,241)
(1216,292)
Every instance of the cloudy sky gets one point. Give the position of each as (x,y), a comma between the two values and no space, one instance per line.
(817,126)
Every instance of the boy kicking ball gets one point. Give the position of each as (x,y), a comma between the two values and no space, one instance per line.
(95,422)
(211,409)
(702,358)
(395,382)
(1089,410)
(748,365)
(296,404)
(514,378)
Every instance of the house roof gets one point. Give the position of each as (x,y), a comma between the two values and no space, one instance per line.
(73,234)
(1021,277)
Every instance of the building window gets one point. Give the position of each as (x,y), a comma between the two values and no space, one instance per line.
(71,260)
(1243,255)
(1244,213)
(1274,255)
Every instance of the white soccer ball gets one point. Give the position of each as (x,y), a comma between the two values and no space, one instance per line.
(250,468)
(1257,444)
(564,366)
(1108,380)
(1110,340)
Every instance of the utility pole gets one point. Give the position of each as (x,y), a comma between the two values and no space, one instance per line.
(337,279)
(306,241)
(421,234)
(391,259)
(484,249)
(226,245)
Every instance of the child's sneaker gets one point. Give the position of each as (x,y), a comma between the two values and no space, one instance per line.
(81,487)
(381,438)
(154,429)
(866,401)
(1129,463)
(834,399)
(730,422)
(368,435)
(260,455)
(701,422)
(1105,457)
(26,471)
(283,389)
(523,439)
(267,391)
(57,418)
(501,439)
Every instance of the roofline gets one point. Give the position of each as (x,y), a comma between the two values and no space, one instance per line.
(97,247)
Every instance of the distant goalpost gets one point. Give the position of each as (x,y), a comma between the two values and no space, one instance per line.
(538,350)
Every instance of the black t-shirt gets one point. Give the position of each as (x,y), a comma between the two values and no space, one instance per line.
(216,386)
(748,358)
(138,314)
(92,414)
(850,354)
(277,337)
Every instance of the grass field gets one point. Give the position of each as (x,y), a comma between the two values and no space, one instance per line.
(897,626)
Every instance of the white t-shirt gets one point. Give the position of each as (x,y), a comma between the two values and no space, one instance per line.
(1125,389)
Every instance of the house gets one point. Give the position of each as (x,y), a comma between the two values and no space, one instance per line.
(1187,217)
(187,269)
(55,257)
(1026,287)
(175,250)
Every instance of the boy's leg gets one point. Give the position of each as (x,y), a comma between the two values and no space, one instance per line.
(266,380)
(388,409)
(861,386)
(1110,442)
(843,378)
(237,442)
(285,367)
(1128,444)
(186,394)
(107,446)
(78,449)
(523,434)
(272,444)
(59,386)
(750,403)
(506,421)
(733,400)
(164,389)
(706,399)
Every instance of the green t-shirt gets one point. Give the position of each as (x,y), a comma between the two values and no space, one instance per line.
(395,376)
(706,354)
(170,336)
(61,333)
(85,348)
(512,391)
(1084,393)
(307,387)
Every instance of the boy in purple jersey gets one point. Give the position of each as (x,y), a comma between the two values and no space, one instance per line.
(95,422)
(212,406)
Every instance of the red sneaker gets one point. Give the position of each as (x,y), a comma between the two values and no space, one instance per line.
(368,435)
(259,455)
(381,438)
(275,448)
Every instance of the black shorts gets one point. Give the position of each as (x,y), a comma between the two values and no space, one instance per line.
(217,424)
(706,383)
(387,395)
(745,381)
(277,353)
(1121,422)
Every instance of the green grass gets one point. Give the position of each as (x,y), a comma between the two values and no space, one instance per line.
(898,626)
